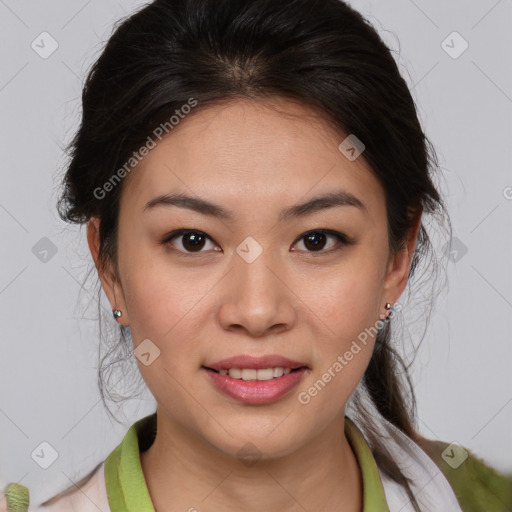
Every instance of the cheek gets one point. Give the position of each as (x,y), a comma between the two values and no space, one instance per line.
(335,377)
(162,312)
(164,306)
(347,308)
(160,299)
(164,316)
(349,303)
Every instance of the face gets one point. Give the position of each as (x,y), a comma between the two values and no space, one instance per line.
(307,286)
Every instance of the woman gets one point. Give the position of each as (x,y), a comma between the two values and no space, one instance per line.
(254,178)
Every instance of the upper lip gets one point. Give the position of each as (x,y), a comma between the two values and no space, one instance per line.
(247,361)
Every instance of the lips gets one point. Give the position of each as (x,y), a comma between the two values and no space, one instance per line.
(253,362)
(256,392)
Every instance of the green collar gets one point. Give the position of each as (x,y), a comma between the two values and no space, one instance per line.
(126,487)
(127,490)
(374,499)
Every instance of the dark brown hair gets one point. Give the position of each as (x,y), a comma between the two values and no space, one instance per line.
(321,53)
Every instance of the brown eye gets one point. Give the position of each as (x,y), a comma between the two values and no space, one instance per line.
(191,241)
(315,241)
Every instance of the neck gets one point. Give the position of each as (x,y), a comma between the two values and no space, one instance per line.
(184,472)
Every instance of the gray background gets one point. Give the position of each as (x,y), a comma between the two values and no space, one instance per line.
(49,333)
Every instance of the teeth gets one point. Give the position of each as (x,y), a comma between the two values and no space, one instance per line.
(253,374)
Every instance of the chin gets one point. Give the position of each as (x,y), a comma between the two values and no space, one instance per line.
(265,444)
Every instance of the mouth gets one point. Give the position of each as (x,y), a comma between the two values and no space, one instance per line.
(255,386)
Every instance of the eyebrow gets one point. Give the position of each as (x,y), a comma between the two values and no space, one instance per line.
(324,202)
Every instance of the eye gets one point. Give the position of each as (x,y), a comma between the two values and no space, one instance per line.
(192,241)
(315,241)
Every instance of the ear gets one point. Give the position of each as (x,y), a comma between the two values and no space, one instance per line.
(399,264)
(109,281)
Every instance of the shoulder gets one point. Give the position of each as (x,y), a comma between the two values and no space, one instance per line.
(87,495)
(476,485)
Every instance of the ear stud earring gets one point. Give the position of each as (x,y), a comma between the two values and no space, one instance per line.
(385,316)
(117,313)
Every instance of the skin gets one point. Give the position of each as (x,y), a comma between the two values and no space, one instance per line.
(292,300)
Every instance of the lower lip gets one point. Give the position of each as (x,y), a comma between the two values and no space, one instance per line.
(256,391)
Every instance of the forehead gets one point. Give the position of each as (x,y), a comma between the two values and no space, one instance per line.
(247,150)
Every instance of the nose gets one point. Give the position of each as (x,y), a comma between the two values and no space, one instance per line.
(258,296)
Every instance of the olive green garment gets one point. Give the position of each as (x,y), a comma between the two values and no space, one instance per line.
(478,487)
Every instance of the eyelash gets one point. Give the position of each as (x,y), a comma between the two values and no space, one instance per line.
(343,240)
